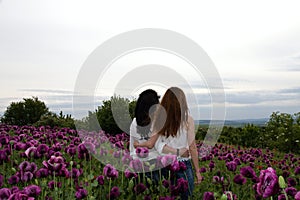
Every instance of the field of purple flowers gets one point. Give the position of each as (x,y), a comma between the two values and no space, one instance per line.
(45,163)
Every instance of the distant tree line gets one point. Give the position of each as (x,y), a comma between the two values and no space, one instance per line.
(281,132)
(32,111)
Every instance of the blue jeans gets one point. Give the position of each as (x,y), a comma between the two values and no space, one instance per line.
(188,175)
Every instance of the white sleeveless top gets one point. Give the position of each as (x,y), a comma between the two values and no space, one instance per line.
(134,135)
(178,142)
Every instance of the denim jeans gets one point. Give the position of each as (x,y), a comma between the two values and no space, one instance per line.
(188,175)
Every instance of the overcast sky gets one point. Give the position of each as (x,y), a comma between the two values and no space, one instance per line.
(255,46)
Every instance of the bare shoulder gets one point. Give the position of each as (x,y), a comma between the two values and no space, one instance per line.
(190,120)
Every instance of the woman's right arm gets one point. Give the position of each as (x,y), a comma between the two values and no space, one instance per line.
(183,152)
(149,143)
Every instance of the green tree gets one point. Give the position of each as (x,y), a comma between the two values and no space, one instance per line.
(115,111)
(53,120)
(26,112)
(280,134)
(250,136)
(89,123)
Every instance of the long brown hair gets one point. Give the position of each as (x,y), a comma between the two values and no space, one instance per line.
(172,113)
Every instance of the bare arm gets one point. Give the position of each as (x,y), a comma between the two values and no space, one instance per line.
(184,152)
(149,143)
(193,148)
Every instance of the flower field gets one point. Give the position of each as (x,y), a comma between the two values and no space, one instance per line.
(45,163)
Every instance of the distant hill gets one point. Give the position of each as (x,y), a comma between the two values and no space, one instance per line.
(237,123)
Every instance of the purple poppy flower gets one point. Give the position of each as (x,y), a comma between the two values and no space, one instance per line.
(231,196)
(147,197)
(281,197)
(285,174)
(237,161)
(82,151)
(291,182)
(52,184)
(239,179)
(41,173)
(81,193)
(174,191)
(291,191)
(140,188)
(229,157)
(182,185)
(208,196)
(90,147)
(297,171)
(100,179)
(129,174)
(75,173)
(4,140)
(168,159)
(114,193)
(55,163)
(71,149)
(64,172)
(297,196)
(26,176)
(247,172)
(110,171)
(13,180)
(216,179)
(41,150)
(103,152)
(20,146)
(32,190)
(3,156)
(166,183)
(136,165)
(5,193)
(126,159)
(117,154)
(268,183)
(211,165)
(25,166)
(231,166)
(175,166)
(56,147)
(30,152)
(20,195)
(142,152)
(202,170)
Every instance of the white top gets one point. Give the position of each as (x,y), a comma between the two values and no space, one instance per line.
(134,135)
(185,135)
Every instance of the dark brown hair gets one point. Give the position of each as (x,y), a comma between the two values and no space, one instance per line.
(146,99)
(172,113)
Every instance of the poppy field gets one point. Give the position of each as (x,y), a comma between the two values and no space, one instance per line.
(55,163)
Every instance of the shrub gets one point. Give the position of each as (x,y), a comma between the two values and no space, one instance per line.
(26,112)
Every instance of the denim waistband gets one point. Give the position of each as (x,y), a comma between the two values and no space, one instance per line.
(185,161)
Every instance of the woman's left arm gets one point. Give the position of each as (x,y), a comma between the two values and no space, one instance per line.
(193,148)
